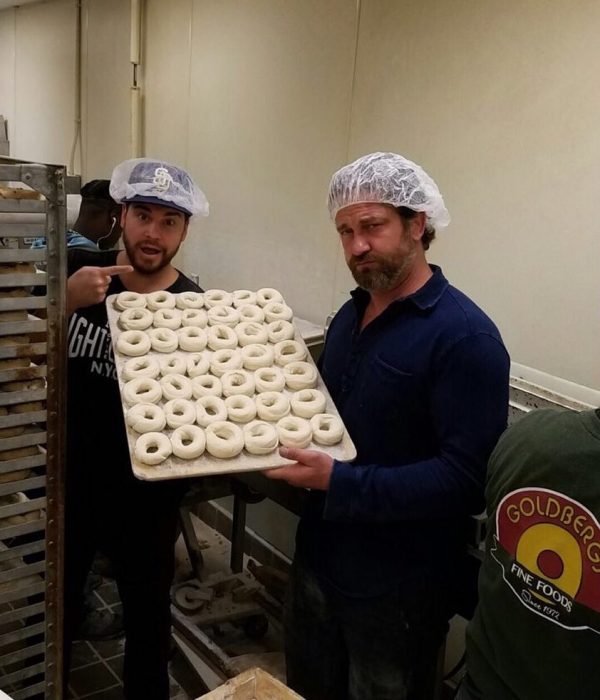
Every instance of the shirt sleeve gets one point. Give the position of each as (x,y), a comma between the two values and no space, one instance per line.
(469,407)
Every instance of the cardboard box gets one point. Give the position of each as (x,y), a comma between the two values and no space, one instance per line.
(253,684)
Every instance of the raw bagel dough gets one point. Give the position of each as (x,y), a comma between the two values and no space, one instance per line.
(289,351)
(163,339)
(226,359)
(133,343)
(176,386)
(256,356)
(279,331)
(146,418)
(189,300)
(294,431)
(194,317)
(272,405)
(188,441)
(269,379)
(136,318)
(206,385)
(160,300)
(249,332)
(260,438)
(210,409)
(180,412)
(300,375)
(172,364)
(130,300)
(306,403)
(167,318)
(217,297)
(145,366)
(277,311)
(266,295)
(243,297)
(252,312)
(225,315)
(224,440)
(192,338)
(222,337)
(142,390)
(196,364)
(237,381)
(152,448)
(240,408)
(327,429)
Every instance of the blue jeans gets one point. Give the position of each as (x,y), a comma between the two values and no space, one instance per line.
(381,648)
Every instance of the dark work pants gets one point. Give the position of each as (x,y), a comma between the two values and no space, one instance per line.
(134,523)
(342,648)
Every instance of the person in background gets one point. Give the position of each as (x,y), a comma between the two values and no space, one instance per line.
(98,223)
(133,522)
(536,630)
(419,375)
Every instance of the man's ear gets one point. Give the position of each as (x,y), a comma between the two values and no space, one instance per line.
(417,226)
(185,230)
(123,215)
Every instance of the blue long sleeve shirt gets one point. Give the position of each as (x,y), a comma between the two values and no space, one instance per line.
(423,391)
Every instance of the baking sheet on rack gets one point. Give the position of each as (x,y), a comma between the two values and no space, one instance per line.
(207,465)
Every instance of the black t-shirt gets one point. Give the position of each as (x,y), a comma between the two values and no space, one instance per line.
(95,424)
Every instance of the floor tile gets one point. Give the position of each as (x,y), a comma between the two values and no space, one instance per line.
(108,648)
(82,654)
(91,679)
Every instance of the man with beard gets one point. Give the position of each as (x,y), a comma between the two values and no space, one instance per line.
(133,522)
(419,375)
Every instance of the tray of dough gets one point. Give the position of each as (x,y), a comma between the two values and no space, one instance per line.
(215,382)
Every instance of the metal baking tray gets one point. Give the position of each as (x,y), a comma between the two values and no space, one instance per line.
(207,465)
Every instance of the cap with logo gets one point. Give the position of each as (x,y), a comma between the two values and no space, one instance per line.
(151,181)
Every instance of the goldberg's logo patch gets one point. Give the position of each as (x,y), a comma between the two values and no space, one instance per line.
(548,546)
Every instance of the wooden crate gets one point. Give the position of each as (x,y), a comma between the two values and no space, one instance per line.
(253,684)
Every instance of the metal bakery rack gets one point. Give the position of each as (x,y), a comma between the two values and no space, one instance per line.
(32,385)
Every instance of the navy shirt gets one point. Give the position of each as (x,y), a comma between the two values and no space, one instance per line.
(423,391)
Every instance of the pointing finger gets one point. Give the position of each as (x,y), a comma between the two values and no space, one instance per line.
(117,269)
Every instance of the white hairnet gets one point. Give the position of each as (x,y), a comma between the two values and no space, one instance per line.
(157,182)
(387,178)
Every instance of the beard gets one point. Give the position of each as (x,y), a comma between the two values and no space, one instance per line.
(386,273)
(147,267)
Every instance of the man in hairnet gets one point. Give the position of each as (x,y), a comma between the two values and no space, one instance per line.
(133,522)
(419,375)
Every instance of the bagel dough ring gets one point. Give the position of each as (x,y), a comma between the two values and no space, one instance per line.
(272,405)
(152,448)
(279,331)
(188,441)
(163,339)
(224,440)
(160,300)
(146,418)
(225,315)
(176,386)
(196,364)
(192,338)
(206,385)
(252,312)
(266,295)
(256,356)
(260,438)
(217,297)
(172,364)
(226,359)
(237,381)
(249,332)
(145,366)
(167,318)
(194,317)
(222,337)
(269,379)
(327,429)
(277,311)
(189,300)
(294,432)
(306,403)
(289,351)
(133,343)
(210,409)
(142,390)
(300,375)
(243,297)
(136,318)
(130,300)
(180,412)
(240,408)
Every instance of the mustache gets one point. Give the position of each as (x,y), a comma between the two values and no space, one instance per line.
(365,257)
